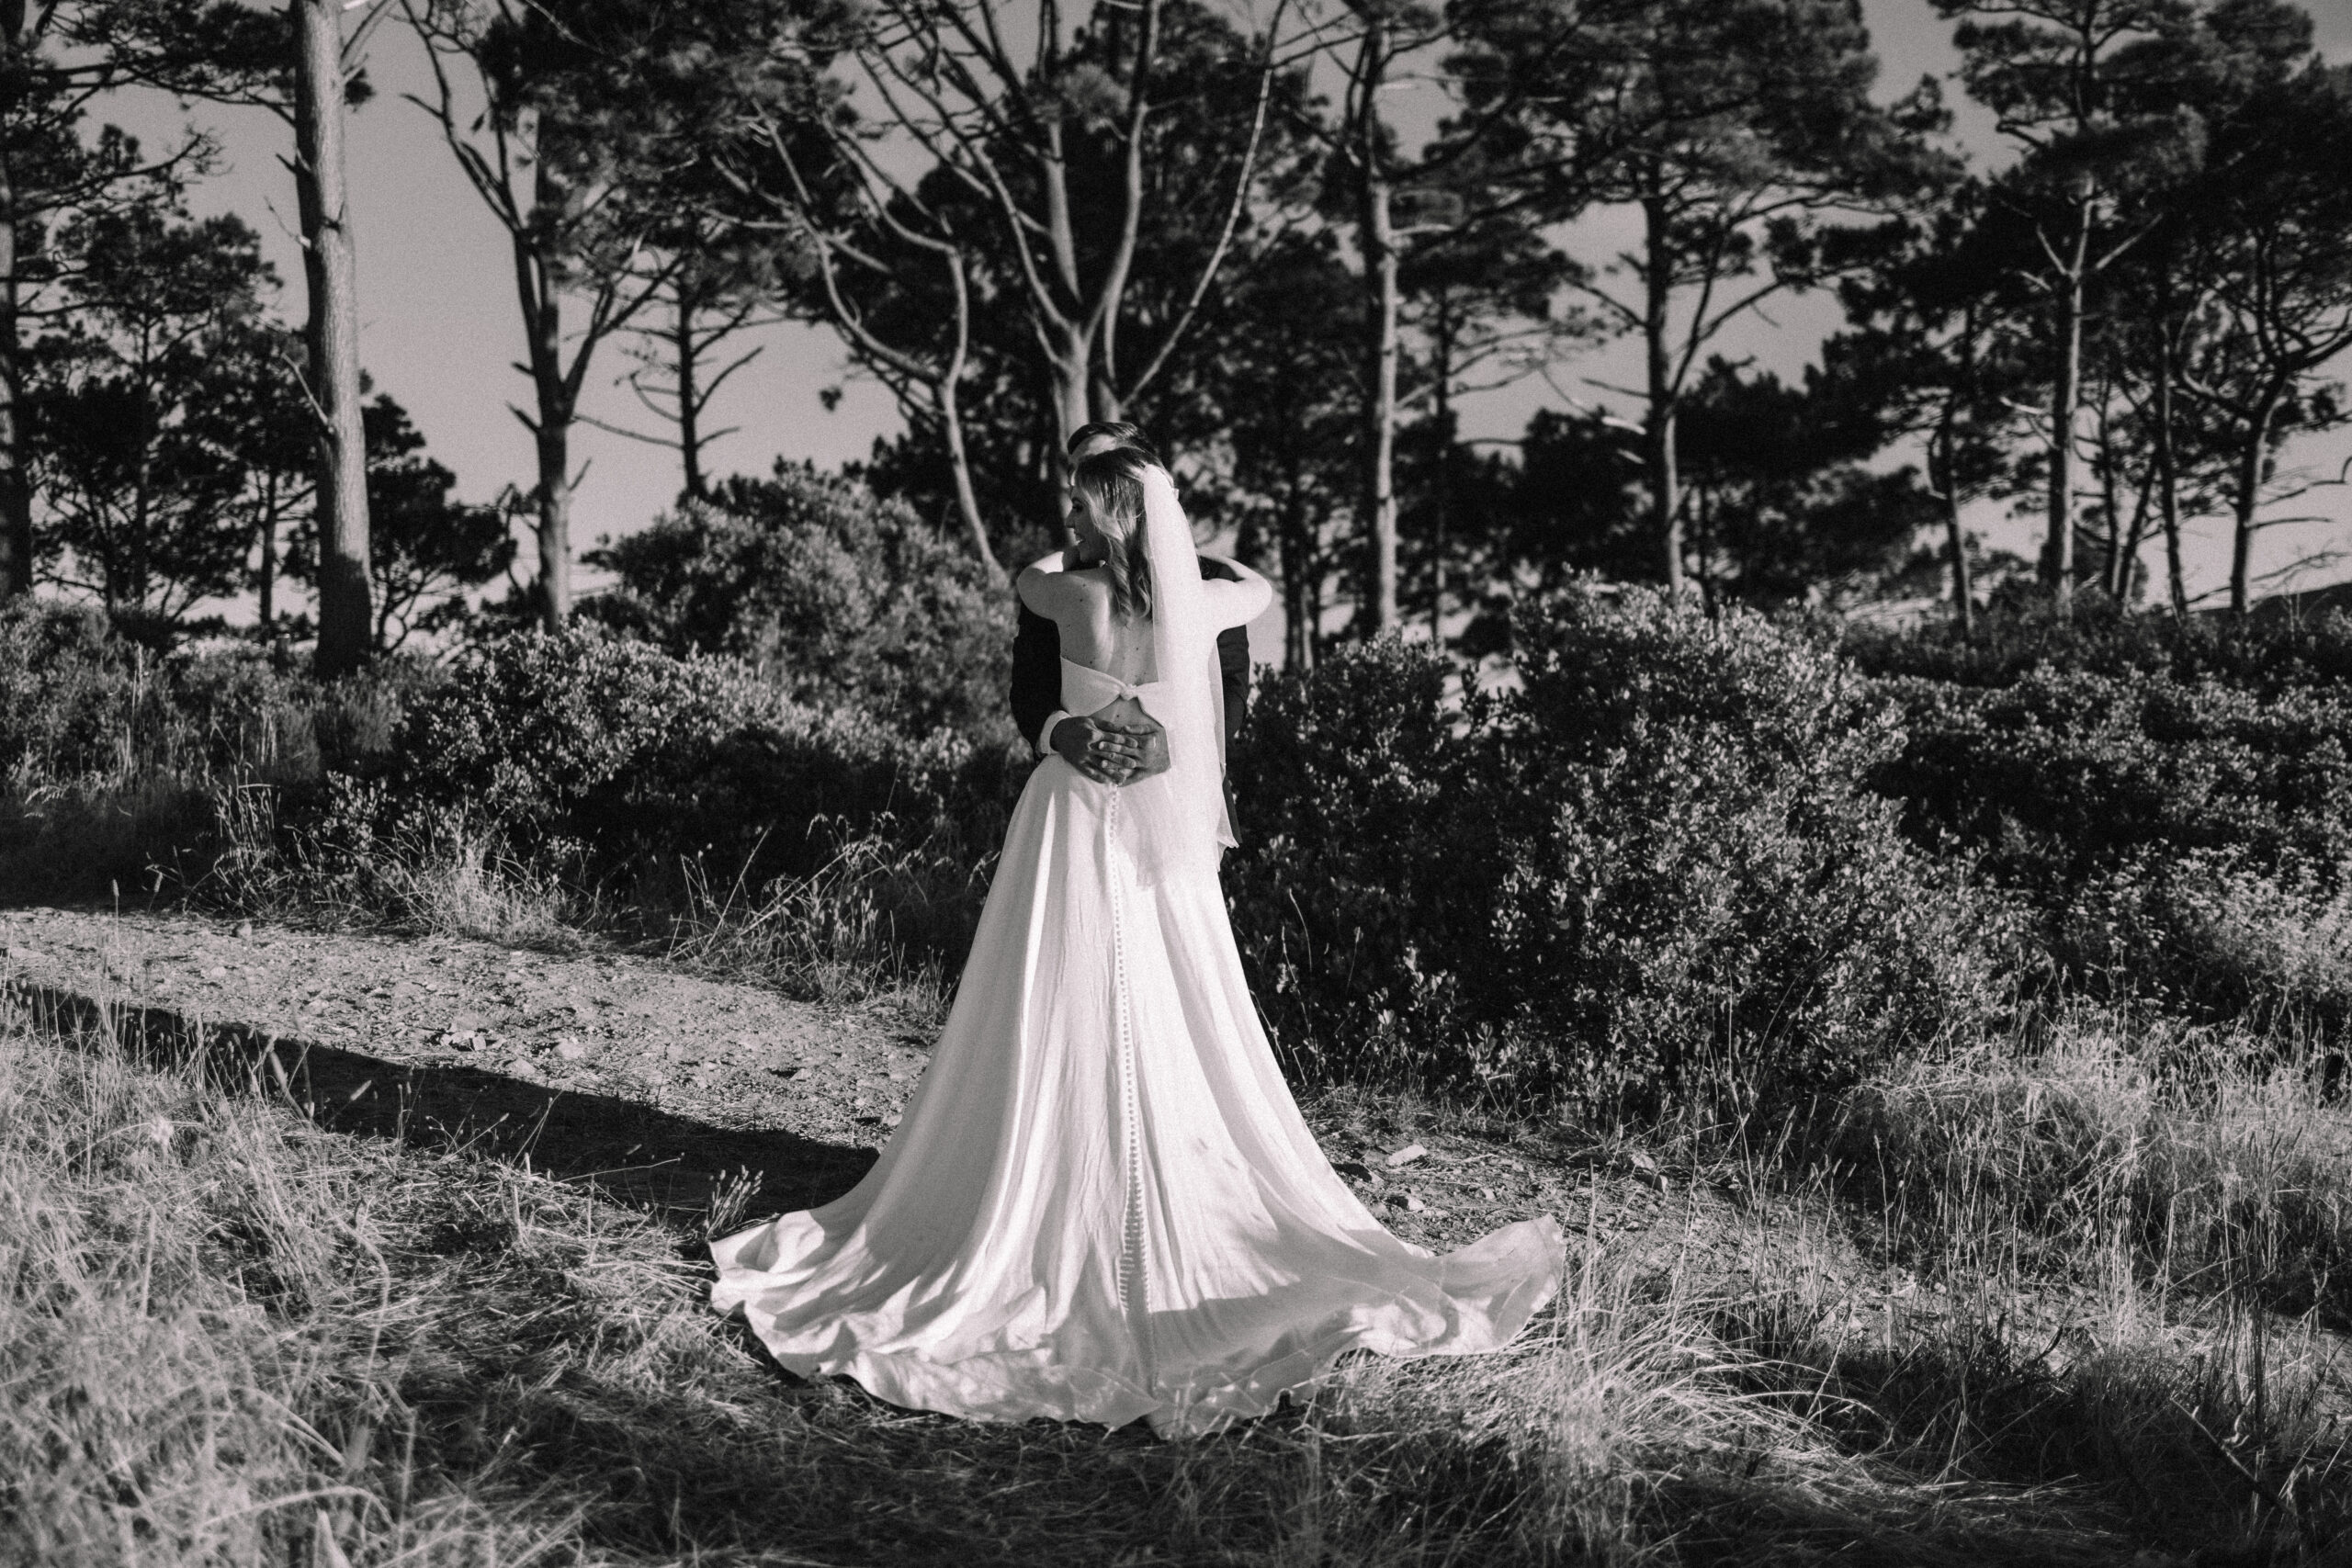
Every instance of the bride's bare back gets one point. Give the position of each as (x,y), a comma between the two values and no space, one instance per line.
(1095,635)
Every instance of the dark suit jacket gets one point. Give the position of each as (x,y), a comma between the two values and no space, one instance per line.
(1037,671)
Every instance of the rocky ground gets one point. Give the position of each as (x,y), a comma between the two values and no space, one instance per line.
(668,1088)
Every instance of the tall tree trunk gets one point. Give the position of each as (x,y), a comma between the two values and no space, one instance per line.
(1380,413)
(1380,404)
(1376,238)
(535,280)
(346,588)
(1102,347)
(2135,535)
(689,417)
(1963,598)
(968,501)
(142,492)
(947,393)
(2247,500)
(2058,553)
(552,441)
(1659,456)
(2111,566)
(16,489)
(1441,369)
(1073,403)
(266,583)
(2168,478)
(1703,507)
(1298,587)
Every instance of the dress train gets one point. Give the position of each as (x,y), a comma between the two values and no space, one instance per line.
(1102,1203)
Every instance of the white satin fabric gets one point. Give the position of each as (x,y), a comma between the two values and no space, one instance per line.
(1102,1203)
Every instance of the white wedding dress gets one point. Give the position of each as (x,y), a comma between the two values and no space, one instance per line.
(1102,1203)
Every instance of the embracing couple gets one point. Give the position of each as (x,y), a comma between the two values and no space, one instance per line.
(1102,1203)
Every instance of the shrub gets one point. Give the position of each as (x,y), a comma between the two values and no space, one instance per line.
(1651,882)
(1364,862)
(531,730)
(2065,772)
(80,705)
(357,719)
(2182,840)
(843,600)
(2267,654)
(2218,941)
(609,751)
(109,750)
(1712,908)
(69,692)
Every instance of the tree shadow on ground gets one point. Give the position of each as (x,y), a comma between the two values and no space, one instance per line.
(670,1165)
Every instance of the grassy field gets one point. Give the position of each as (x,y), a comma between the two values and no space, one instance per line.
(2044,1310)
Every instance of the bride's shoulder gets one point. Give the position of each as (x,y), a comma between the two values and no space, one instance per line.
(1051,590)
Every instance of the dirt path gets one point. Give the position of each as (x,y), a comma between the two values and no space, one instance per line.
(741,1054)
(658,1081)
(661,1084)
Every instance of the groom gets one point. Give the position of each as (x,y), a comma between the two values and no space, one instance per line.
(1107,753)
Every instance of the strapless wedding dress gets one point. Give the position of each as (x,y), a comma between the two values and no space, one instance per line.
(1102,1203)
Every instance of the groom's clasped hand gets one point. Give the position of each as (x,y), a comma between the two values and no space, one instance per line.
(1115,753)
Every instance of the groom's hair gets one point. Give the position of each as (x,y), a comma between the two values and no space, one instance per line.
(1117,431)
(1111,483)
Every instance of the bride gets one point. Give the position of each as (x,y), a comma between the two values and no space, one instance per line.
(1102,1203)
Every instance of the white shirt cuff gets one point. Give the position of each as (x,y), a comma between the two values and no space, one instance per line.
(1052,722)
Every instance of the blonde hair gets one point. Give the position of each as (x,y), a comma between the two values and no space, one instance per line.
(1111,483)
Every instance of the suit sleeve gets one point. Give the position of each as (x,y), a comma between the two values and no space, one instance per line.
(1232,661)
(1233,664)
(1036,673)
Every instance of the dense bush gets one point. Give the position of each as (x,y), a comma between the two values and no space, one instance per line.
(1665,870)
(616,748)
(2263,653)
(2220,939)
(80,705)
(67,691)
(839,598)
(2155,823)
(2064,774)
(1649,880)
(529,727)
(110,752)
(1367,858)
(1712,895)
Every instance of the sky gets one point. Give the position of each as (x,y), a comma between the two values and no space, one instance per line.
(441,330)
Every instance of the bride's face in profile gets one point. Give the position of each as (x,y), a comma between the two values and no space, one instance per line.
(1093,544)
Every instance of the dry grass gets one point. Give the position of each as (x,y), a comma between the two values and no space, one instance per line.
(2137,1152)
(228,1337)
(440,877)
(870,925)
(841,933)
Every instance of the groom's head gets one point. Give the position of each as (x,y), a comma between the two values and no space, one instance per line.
(1108,435)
